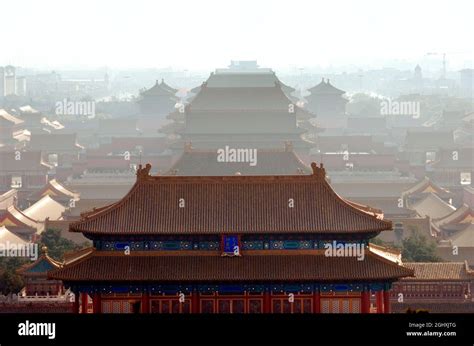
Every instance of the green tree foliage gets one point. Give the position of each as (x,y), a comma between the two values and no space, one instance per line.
(417,248)
(10,281)
(57,246)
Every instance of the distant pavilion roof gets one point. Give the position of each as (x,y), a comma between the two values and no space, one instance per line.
(41,266)
(464,237)
(9,118)
(55,142)
(233,204)
(7,236)
(160,89)
(457,220)
(237,98)
(45,208)
(433,206)
(244,79)
(445,271)
(29,161)
(56,190)
(465,158)
(269,162)
(188,266)
(426,186)
(13,217)
(326,88)
(423,140)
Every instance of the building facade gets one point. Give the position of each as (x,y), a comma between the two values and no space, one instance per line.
(234,244)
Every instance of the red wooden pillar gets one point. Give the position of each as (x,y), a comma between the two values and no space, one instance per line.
(379,300)
(365,302)
(386,301)
(96,303)
(145,303)
(316,302)
(84,302)
(195,303)
(267,302)
(75,305)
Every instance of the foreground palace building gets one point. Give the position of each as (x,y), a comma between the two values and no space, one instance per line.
(231,244)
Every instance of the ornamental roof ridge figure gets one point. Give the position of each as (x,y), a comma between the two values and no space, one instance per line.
(143,172)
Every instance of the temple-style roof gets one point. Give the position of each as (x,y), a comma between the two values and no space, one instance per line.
(160,89)
(242,99)
(16,218)
(245,79)
(463,237)
(458,219)
(326,88)
(233,204)
(56,190)
(55,142)
(269,162)
(5,116)
(6,236)
(8,198)
(432,206)
(353,143)
(449,271)
(424,140)
(186,266)
(426,186)
(45,208)
(391,254)
(147,144)
(41,266)
(28,110)
(29,161)
(465,158)
(370,189)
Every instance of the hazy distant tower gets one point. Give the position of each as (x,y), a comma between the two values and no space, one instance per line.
(467,82)
(10,80)
(418,78)
(2,82)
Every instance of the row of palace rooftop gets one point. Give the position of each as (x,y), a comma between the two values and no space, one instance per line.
(416,169)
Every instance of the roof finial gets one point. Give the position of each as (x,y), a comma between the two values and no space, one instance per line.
(143,172)
(188,147)
(318,171)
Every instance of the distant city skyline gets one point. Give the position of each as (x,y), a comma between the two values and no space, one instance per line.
(203,35)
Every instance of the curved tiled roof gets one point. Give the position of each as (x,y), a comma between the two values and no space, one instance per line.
(204,162)
(439,271)
(463,214)
(270,98)
(40,267)
(160,89)
(326,88)
(232,204)
(6,236)
(432,206)
(256,266)
(425,186)
(45,208)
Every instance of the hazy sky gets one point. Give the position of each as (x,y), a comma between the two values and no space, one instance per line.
(204,34)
